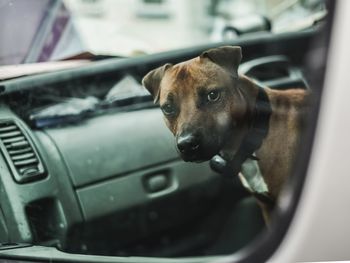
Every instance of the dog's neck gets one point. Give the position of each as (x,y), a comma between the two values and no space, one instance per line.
(239,152)
(248,92)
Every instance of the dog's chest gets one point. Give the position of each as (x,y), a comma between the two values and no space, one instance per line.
(251,177)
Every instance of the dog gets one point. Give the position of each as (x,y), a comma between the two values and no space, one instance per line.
(212,110)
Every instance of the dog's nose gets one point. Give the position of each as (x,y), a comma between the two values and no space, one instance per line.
(188,143)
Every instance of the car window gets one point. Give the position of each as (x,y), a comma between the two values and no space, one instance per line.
(154,128)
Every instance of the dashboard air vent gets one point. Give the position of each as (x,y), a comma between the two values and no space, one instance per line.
(18,150)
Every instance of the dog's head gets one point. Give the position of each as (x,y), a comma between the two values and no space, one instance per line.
(200,100)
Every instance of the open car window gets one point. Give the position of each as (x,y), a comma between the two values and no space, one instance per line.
(156,130)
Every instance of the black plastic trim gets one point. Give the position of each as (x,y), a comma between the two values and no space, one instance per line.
(37,173)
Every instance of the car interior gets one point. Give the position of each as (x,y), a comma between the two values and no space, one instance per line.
(109,181)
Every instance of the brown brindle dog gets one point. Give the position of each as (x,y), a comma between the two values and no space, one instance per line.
(211,109)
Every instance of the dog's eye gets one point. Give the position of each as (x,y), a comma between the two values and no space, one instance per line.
(168,109)
(213,96)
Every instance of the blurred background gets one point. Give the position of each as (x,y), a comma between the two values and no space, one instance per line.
(46,30)
(128,26)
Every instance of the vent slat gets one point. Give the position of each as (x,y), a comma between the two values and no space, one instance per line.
(28,170)
(15,139)
(22,156)
(25,162)
(17,145)
(21,150)
(8,128)
(10,134)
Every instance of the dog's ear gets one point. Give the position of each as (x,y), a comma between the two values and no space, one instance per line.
(152,81)
(227,57)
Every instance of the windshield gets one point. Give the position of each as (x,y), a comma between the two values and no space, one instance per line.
(56,30)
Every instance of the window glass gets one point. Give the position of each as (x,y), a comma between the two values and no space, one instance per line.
(110,145)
